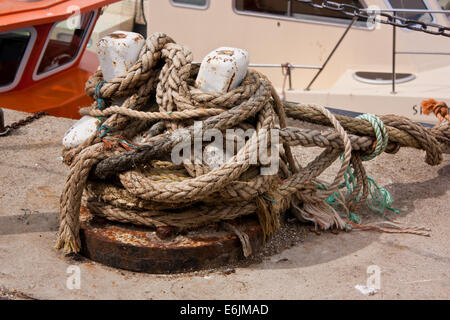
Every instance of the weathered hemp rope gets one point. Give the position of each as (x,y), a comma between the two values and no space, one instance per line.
(124,172)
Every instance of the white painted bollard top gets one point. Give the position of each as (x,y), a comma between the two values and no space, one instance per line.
(222,70)
(117,53)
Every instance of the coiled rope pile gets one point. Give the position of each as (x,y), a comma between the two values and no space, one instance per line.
(131,182)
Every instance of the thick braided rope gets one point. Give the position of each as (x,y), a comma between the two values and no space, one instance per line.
(151,193)
(91,152)
(193,189)
(161,145)
(400,130)
(71,197)
(347,149)
(148,116)
(426,140)
(409,135)
(229,174)
(192,217)
(140,72)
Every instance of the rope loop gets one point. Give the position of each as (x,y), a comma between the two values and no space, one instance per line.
(380,133)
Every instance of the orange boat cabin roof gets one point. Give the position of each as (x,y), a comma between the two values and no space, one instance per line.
(43,61)
(16,14)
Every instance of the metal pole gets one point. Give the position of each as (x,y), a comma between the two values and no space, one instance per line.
(407,11)
(424,52)
(3,130)
(278,65)
(332,52)
(289,76)
(394,44)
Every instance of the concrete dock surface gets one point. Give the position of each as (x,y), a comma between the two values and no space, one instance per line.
(325,266)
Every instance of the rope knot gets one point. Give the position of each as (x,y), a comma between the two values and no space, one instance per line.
(440,109)
(380,133)
(103,130)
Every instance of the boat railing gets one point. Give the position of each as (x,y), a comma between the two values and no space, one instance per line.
(394,41)
(289,66)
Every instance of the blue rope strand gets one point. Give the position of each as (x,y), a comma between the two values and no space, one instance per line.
(100,102)
(127,143)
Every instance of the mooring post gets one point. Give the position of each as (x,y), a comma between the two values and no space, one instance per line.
(221,70)
(394,49)
(117,53)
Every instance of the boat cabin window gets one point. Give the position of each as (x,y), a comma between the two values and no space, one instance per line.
(445,5)
(382,77)
(297,10)
(198,4)
(64,42)
(411,4)
(13,45)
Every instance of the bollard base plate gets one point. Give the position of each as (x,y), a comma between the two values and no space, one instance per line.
(139,249)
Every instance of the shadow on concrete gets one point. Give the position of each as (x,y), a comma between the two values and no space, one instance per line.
(317,249)
(31,146)
(30,221)
(405,194)
(40,168)
(312,250)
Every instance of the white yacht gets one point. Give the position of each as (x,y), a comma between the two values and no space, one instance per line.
(334,59)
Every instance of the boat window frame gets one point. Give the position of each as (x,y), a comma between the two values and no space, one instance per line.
(425,2)
(329,21)
(67,65)
(190,6)
(24,60)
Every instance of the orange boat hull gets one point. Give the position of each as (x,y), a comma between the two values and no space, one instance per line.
(61,95)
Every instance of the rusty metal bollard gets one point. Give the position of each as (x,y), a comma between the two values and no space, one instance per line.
(117,53)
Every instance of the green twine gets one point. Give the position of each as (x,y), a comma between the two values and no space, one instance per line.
(127,143)
(100,102)
(103,130)
(380,133)
(353,217)
(268,199)
(380,197)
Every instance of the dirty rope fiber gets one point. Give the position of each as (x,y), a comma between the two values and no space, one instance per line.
(132,180)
